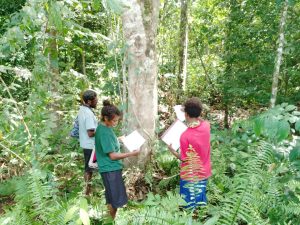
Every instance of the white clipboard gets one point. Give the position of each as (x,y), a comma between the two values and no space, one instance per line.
(173,133)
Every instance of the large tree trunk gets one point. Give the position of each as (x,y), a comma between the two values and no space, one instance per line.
(140,21)
(183,45)
(279,54)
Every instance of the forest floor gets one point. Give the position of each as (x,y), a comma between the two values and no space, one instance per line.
(6,202)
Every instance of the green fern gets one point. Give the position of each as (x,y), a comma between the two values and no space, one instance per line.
(241,204)
(36,201)
(157,210)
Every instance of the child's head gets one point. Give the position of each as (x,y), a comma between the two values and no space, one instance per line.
(193,107)
(110,114)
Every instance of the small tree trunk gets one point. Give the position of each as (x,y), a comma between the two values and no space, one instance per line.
(83,61)
(182,52)
(185,59)
(226,118)
(279,54)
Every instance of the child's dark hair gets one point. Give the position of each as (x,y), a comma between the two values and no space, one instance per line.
(88,95)
(193,107)
(109,111)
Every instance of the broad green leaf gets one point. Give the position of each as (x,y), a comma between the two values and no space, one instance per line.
(290,108)
(270,127)
(296,113)
(283,130)
(70,213)
(84,216)
(296,164)
(83,204)
(293,119)
(258,126)
(297,125)
(295,154)
(96,4)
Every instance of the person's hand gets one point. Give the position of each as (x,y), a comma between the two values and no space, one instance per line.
(121,139)
(170,148)
(173,151)
(135,152)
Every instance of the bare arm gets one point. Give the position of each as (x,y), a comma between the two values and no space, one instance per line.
(91,133)
(176,154)
(117,156)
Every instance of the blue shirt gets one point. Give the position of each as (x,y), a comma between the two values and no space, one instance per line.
(87,121)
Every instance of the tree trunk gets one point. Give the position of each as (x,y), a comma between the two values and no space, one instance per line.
(226,118)
(279,54)
(185,59)
(52,56)
(183,44)
(83,61)
(140,21)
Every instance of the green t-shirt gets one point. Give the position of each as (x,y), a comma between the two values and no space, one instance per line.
(106,141)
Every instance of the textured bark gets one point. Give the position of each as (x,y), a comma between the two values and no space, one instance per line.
(52,54)
(140,21)
(183,44)
(279,54)
(51,51)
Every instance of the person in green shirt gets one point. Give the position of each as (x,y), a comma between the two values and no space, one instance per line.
(109,158)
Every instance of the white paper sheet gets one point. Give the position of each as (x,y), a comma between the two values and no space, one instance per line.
(179,112)
(133,141)
(172,135)
(93,164)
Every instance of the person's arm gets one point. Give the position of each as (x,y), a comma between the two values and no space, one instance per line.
(90,124)
(117,155)
(176,154)
(91,132)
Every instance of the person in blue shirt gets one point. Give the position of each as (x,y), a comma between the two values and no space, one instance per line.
(87,128)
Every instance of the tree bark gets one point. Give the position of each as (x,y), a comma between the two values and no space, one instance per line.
(279,54)
(183,44)
(83,61)
(140,21)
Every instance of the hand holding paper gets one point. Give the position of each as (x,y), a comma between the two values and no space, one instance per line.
(133,141)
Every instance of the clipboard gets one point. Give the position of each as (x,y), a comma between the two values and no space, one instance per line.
(173,133)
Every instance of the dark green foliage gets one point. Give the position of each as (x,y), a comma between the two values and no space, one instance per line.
(261,173)
(8,8)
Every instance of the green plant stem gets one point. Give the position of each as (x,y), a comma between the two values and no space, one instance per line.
(18,110)
(3,146)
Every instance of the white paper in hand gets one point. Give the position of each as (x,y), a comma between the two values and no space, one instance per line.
(179,112)
(173,133)
(133,141)
(93,161)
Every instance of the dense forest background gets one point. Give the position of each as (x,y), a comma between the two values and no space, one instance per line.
(241,58)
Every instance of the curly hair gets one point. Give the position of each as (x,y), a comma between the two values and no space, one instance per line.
(109,111)
(88,95)
(193,107)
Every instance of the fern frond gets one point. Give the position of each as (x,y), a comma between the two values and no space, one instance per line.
(241,205)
